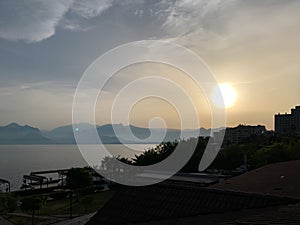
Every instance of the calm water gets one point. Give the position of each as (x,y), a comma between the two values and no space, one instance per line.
(17,160)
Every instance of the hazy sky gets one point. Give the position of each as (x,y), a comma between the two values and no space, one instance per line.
(45,46)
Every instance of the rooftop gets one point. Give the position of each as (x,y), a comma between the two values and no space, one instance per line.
(279,179)
(168,201)
(269,195)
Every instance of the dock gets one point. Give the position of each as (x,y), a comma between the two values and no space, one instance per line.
(39,179)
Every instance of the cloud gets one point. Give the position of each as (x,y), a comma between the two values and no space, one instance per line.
(73,25)
(36,20)
(209,26)
(47,86)
(187,16)
(91,8)
(31,20)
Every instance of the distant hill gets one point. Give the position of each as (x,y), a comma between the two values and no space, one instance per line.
(109,134)
(16,134)
(65,134)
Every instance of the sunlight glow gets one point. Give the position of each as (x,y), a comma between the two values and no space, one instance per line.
(228,93)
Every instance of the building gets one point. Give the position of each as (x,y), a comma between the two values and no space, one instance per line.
(287,123)
(240,133)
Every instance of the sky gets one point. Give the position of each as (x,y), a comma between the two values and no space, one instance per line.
(46,46)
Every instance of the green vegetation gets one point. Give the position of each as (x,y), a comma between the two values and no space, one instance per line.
(31,205)
(78,178)
(162,151)
(61,207)
(8,203)
(21,220)
(53,211)
(49,206)
(260,151)
(155,155)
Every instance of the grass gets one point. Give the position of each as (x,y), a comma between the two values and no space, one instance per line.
(20,220)
(83,205)
(60,209)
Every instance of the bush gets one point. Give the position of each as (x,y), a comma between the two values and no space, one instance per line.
(78,178)
(7,203)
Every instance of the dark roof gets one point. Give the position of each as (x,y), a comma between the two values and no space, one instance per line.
(279,179)
(170,201)
(279,215)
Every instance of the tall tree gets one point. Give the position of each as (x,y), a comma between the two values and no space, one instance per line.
(31,205)
(78,178)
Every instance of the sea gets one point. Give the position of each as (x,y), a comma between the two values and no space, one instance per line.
(19,160)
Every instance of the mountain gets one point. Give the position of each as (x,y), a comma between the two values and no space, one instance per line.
(109,134)
(16,134)
(65,134)
(118,133)
(61,135)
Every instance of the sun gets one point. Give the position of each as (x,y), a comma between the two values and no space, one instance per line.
(226,98)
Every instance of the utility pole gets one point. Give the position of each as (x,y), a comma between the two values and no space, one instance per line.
(71,204)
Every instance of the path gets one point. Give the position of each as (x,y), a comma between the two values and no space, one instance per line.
(37,216)
(4,221)
(77,221)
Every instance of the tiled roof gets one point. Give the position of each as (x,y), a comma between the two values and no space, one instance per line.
(170,201)
(279,179)
(288,215)
(279,215)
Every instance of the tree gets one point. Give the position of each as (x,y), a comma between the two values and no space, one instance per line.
(11,204)
(31,205)
(155,155)
(2,203)
(78,178)
(253,152)
(7,203)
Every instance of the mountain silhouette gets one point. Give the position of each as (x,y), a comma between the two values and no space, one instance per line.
(14,133)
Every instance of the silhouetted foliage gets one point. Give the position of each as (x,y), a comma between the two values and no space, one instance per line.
(79,178)
(7,203)
(260,151)
(31,205)
(193,164)
(155,155)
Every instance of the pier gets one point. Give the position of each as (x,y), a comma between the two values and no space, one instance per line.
(40,179)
